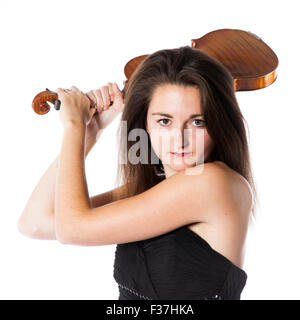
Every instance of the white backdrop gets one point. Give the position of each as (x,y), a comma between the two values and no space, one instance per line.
(51,44)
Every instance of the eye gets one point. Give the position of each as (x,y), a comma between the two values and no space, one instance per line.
(201,121)
(162,120)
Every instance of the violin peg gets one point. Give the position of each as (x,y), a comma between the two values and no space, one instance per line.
(57,105)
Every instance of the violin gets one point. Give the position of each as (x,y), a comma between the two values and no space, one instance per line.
(251,62)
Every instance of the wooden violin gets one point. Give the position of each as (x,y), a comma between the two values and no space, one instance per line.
(251,62)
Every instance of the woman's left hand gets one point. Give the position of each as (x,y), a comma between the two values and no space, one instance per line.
(75,107)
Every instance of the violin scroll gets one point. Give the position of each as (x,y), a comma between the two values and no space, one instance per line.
(40,104)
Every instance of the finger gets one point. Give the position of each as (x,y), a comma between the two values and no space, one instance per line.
(92,98)
(105,96)
(99,100)
(110,89)
(118,97)
(92,111)
(60,92)
(111,93)
(73,88)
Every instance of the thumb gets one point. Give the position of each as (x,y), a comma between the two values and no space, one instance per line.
(92,111)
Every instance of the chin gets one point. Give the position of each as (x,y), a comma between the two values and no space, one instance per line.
(182,166)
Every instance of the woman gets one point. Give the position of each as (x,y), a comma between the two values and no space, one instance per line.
(181,214)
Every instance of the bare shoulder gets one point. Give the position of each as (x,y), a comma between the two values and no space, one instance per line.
(227,211)
(217,179)
(240,187)
(227,194)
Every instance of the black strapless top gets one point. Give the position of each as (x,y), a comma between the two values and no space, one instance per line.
(178,265)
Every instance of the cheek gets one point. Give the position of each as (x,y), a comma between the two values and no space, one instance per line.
(157,141)
(161,142)
(202,140)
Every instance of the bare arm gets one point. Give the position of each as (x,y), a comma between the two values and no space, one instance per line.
(38,214)
(37,219)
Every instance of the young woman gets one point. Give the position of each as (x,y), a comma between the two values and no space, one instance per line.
(181,213)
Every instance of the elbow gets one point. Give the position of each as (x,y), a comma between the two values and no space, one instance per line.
(62,238)
(63,233)
(68,228)
(26,229)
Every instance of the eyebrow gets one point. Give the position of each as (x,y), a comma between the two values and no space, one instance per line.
(169,116)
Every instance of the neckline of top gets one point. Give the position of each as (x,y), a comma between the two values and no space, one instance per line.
(194,234)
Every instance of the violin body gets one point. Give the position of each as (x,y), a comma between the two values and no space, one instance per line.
(132,64)
(251,62)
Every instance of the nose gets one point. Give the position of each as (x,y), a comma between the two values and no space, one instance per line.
(181,139)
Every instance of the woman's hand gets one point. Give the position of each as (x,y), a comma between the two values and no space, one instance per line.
(104,114)
(75,107)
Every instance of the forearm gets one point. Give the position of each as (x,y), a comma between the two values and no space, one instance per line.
(37,217)
(41,201)
(71,192)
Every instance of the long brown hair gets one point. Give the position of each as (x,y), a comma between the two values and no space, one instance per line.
(223,119)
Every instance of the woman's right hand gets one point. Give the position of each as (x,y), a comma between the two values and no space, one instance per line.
(104,114)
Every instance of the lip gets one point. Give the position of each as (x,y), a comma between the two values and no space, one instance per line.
(184,154)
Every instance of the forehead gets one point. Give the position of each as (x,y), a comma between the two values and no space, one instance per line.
(172,98)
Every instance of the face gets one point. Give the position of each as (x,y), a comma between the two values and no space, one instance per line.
(175,126)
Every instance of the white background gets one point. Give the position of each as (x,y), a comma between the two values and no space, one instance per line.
(51,44)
